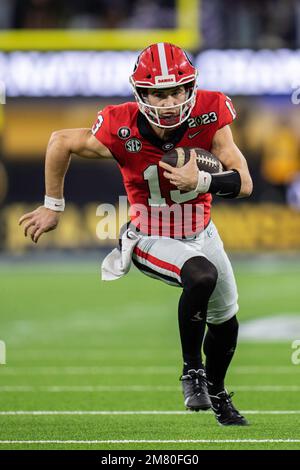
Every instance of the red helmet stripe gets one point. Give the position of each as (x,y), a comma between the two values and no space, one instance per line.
(162,58)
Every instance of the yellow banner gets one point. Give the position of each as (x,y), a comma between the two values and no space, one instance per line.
(243,228)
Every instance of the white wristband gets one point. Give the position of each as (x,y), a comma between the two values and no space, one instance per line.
(57,205)
(204,180)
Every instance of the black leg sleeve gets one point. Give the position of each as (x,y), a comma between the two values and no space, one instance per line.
(219,347)
(199,277)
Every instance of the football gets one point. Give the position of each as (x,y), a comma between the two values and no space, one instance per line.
(206,161)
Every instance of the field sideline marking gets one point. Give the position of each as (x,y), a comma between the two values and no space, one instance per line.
(139,388)
(153,441)
(129,412)
(111,370)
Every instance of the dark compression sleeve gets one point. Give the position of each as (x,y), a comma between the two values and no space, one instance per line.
(226,184)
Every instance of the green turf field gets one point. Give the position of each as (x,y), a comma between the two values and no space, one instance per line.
(80,352)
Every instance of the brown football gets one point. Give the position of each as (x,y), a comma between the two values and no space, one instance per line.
(206,161)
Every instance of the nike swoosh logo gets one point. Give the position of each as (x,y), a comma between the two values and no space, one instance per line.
(219,193)
(191,136)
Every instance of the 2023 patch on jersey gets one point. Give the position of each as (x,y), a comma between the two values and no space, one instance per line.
(127,134)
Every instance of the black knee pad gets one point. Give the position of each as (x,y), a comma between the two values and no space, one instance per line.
(198,272)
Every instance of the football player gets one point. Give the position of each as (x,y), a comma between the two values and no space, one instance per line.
(170,113)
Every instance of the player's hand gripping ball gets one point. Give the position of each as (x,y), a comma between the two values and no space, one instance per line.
(182,167)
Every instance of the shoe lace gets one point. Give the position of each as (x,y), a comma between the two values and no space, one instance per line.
(225,403)
(197,378)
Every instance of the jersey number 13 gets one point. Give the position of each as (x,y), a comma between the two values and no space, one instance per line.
(156,199)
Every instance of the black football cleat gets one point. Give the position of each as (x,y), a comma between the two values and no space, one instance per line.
(194,387)
(226,414)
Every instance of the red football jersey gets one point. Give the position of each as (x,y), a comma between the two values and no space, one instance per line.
(157,207)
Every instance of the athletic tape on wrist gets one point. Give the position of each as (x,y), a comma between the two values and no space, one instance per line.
(203,184)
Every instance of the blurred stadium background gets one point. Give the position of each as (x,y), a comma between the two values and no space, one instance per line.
(62,61)
(57,77)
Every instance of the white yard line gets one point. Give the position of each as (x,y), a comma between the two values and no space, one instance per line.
(139,388)
(131,412)
(111,370)
(153,441)
(39,353)
(89,370)
(264,369)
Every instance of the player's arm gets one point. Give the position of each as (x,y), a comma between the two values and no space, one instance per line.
(231,157)
(234,182)
(61,146)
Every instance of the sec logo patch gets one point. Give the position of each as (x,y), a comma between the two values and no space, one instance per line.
(133,145)
(124,132)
